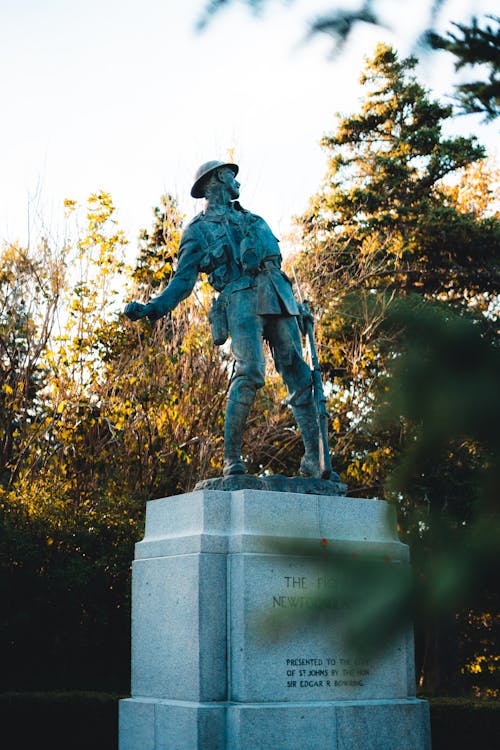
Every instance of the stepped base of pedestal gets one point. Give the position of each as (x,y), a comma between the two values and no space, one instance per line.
(150,724)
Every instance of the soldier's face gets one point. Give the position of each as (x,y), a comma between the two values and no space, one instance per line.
(227,176)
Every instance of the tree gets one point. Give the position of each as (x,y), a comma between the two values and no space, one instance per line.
(399,216)
(30,290)
(115,416)
(387,223)
(339,22)
(471,46)
(64,551)
(132,401)
(443,386)
(475,46)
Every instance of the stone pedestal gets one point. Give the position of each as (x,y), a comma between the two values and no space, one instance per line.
(204,674)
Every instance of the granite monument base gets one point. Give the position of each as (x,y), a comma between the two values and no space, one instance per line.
(207,676)
(344,725)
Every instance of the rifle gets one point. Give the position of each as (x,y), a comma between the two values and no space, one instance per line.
(325,463)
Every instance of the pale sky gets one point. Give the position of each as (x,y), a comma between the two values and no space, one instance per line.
(125,96)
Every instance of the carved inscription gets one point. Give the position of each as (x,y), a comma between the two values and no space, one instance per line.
(326,672)
(317,671)
(299,591)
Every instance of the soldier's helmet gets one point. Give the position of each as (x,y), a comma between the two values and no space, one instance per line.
(198,189)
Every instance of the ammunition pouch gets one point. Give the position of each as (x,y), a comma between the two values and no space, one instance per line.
(217,317)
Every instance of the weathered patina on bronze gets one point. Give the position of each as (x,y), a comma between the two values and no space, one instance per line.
(254,301)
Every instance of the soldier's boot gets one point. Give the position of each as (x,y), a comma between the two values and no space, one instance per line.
(234,427)
(307,420)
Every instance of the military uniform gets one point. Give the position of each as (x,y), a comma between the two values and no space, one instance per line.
(242,259)
(254,301)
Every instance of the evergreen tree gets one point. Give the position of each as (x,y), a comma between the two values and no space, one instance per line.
(391,223)
(473,45)
(387,223)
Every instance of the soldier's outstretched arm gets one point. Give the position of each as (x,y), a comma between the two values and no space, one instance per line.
(180,286)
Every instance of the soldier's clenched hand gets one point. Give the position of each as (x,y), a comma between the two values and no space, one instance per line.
(306,318)
(136,310)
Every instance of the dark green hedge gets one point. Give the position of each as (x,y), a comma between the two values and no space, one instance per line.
(89,721)
(462,724)
(58,721)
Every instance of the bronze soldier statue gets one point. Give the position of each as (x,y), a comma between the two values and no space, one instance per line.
(255,301)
